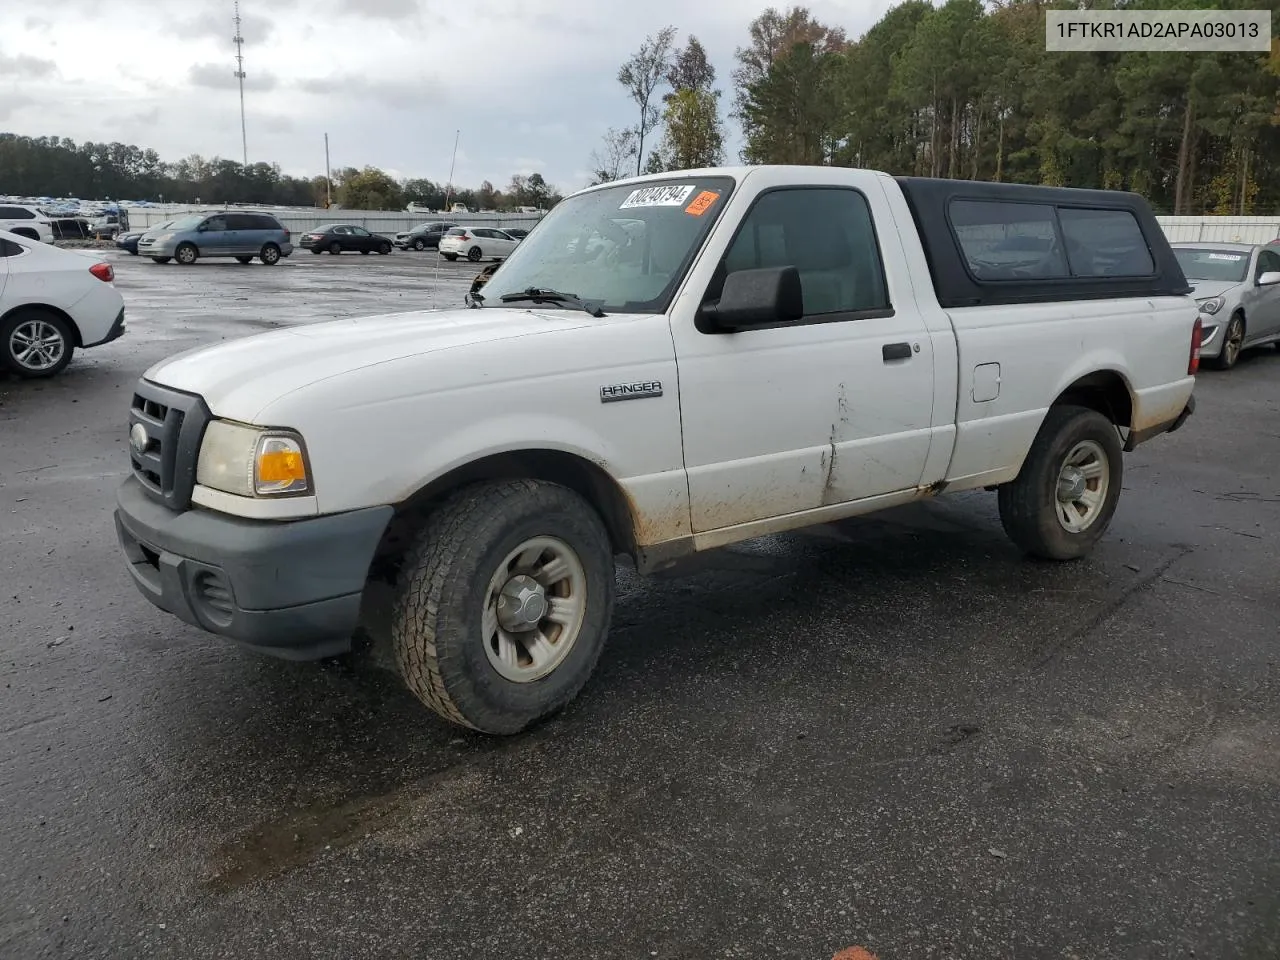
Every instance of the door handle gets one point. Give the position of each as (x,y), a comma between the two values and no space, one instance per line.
(896,351)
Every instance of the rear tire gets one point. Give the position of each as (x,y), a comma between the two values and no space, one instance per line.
(335,248)
(186,254)
(364,253)
(1232,343)
(35,343)
(269,254)
(474,254)
(245,259)
(1066,493)
(472,628)
(162,259)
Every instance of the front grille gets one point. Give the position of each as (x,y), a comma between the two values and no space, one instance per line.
(174,422)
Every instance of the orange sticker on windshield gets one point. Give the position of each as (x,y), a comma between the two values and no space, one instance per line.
(701,203)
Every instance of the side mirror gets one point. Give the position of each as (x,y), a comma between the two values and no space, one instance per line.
(1269,278)
(756,298)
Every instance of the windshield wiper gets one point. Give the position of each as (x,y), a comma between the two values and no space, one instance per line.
(543,295)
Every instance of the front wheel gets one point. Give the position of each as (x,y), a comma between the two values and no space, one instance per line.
(419,244)
(504,605)
(384,249)
(1232,343)
(36,343)
(186,254)
(1063,499)
(162,259)
(269,254)
(245,259)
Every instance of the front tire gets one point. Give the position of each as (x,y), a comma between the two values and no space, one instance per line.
(419,244)
(162,259)
(384,249)
(1064,497)
(186,254)
(269,254)
(245,259)
(504,605)
(1232,343)
(35,343)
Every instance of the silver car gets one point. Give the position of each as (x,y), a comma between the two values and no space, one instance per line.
(1238,288)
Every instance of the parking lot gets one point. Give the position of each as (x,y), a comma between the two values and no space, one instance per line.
(891,732)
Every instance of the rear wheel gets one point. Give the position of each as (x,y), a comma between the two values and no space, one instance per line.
(269,254)
(161,259)
(35,343)
(474,254)
(186,254)
(1064,497)
(335,248)
(364,253)
(1232,343)
(245,259)
(504,605)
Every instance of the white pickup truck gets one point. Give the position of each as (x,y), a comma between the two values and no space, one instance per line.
(666,365)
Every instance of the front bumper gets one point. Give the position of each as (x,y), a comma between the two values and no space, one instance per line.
(290,589)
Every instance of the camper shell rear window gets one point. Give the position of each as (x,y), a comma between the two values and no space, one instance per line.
(999,243)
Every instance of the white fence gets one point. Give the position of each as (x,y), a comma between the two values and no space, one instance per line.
(302,219)
(299,220)
(1220,229)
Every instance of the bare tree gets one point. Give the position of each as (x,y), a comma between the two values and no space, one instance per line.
(641,75)
(608,163)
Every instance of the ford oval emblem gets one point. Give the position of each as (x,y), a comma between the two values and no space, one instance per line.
(138,438)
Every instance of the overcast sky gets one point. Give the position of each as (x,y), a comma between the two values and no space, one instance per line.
(530,83)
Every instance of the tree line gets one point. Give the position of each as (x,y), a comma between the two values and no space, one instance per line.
(967,90)
(59,167)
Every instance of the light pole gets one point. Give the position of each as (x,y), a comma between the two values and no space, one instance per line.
(448,190)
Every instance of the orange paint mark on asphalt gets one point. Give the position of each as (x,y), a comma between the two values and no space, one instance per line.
(855,953)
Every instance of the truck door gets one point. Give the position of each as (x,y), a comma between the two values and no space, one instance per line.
(835,407)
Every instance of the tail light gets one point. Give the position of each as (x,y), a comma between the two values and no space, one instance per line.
(103,271)
(1193,364)
(287,235)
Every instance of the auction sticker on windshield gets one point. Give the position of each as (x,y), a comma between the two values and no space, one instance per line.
(665,196)
(702,203)
(1233,257)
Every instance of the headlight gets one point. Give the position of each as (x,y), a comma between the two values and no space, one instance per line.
(251,461)
(1211,306)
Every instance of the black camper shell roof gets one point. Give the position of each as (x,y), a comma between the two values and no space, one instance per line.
(954,281)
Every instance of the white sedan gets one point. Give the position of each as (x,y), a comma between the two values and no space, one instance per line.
(52,301)
(476,243)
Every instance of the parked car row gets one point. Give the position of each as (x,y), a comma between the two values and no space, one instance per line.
(245,236)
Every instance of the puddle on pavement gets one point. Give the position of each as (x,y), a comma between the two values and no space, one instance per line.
(277,846)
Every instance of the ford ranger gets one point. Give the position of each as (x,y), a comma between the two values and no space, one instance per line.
(667,365)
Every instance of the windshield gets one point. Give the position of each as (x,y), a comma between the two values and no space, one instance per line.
(1200,264)
(626,247)
(187,223)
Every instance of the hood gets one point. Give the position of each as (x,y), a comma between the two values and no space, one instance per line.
(238,379)
(1204,289)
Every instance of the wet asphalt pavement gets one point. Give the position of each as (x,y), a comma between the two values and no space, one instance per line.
(892,732)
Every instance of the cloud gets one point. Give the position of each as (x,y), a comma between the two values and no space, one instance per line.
(37,23)
(274,123)
(215,76)
(11,103)
(528,165)
(383,9)
(218,25)
(410,92)
(26,66)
